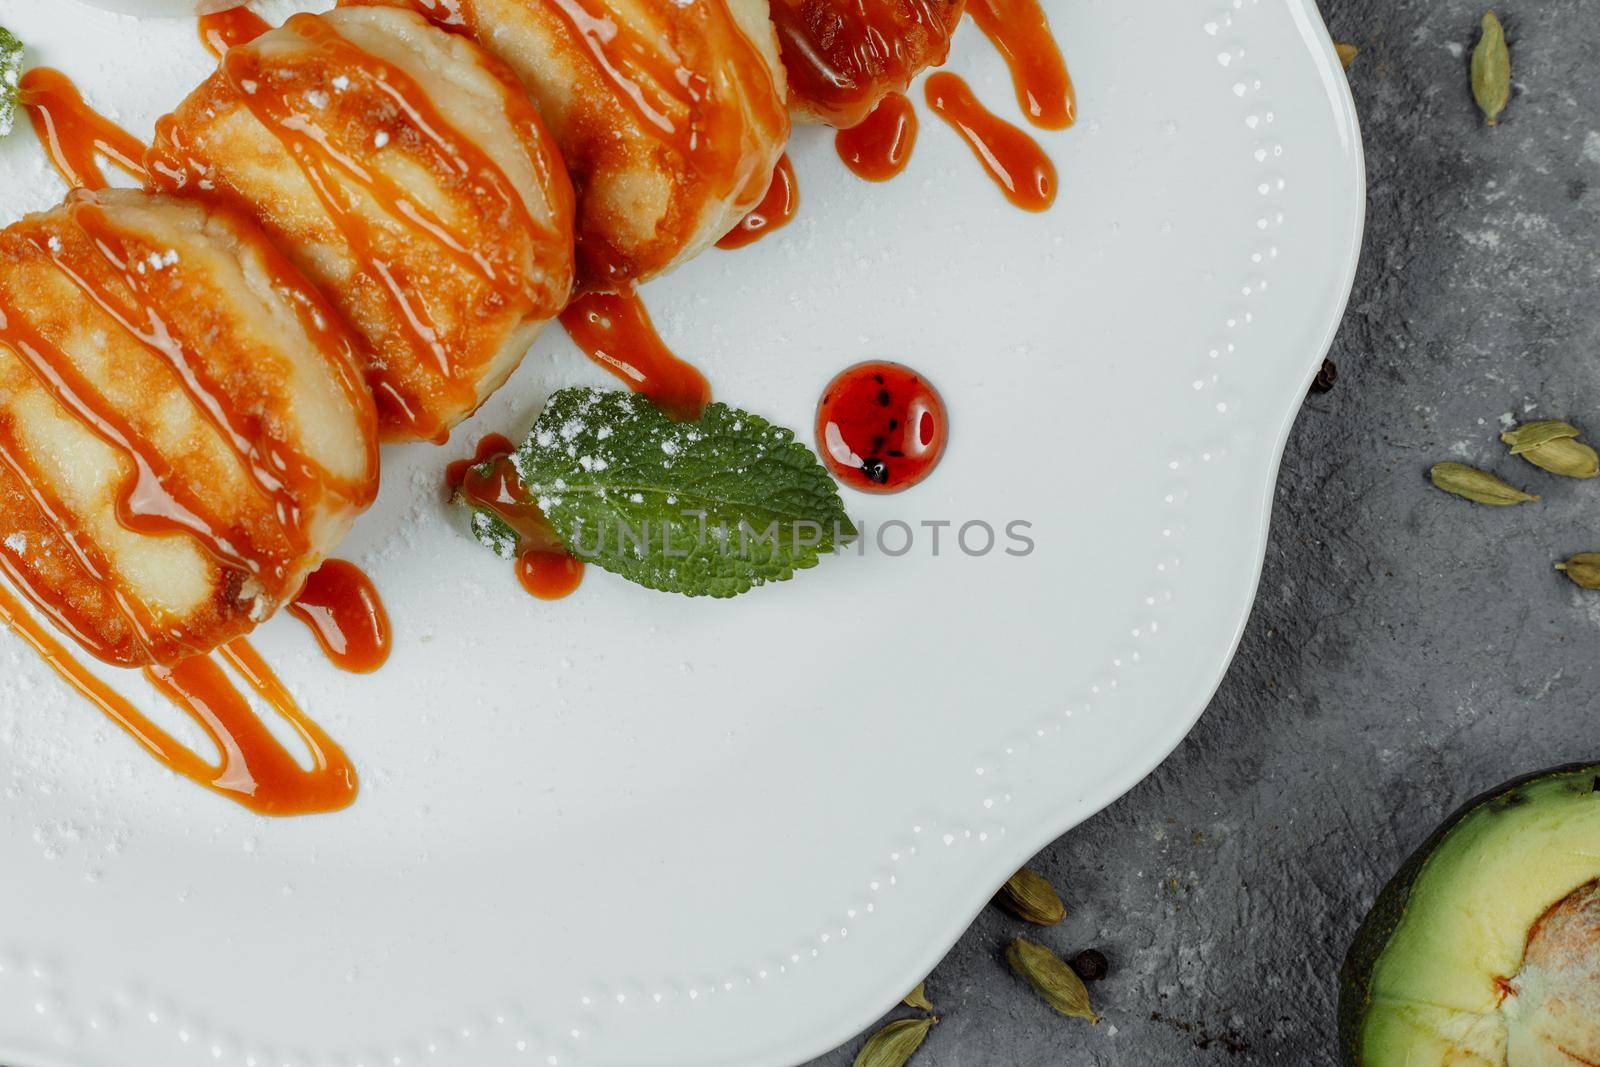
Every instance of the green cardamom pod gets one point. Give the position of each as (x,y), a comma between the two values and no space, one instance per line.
(1566,457)
(918,998)
(1531,435)
(1347,54)
(1491,69)
(1030,898)
(1049,974)
(1480,487)
(1583,569)
(894,1044)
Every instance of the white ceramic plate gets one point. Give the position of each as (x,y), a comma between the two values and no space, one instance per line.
(630,829)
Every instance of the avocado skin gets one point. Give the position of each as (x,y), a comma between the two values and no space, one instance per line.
(1355,977)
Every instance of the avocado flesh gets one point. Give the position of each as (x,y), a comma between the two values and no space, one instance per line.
(1553,1012)
(1460,983)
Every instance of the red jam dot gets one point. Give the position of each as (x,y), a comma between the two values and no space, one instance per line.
(881,427)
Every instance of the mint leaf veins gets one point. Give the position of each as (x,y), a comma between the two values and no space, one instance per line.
(10,79)
(713,507)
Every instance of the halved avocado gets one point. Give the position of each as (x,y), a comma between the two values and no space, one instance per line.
(1484,950)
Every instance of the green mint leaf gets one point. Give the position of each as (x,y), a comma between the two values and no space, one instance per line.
(10,79)
(492,532)
(713,507)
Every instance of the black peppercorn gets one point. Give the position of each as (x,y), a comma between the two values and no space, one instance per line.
(1091,965)
(876,470)
(1325,377)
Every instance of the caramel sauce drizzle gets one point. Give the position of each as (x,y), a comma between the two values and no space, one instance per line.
(1012,159)
(615,331)
(490,446)
(276,470)
(1021,33)
(490,481)
(342,609)
(281,472)
(154,500)
(255,771)
(278,106)
(842,55)
(79,624)
(676,98)
(84,553)
(74,134)
(776,210)
(879,148)
(221,30)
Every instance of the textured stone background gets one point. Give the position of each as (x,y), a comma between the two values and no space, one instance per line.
(1407,650)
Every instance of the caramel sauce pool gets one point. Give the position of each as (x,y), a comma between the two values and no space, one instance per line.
(342,609)
(880,147)
(776,210)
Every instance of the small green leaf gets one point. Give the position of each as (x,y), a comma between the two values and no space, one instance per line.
(492,532)
(1491,69)
(713,507)
(10,79)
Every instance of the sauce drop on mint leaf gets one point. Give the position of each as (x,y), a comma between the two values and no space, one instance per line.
(489,482)
(549,575)
(881,427)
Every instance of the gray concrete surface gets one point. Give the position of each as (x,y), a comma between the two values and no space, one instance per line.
(1407,649)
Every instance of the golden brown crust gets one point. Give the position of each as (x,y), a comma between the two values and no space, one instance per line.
(177,447)
(435,215)
(671,122)
(41,565)
(844,56)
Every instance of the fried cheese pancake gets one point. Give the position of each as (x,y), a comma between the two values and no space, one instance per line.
(405,171)
(844,56)
(670,114)
(184,430)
